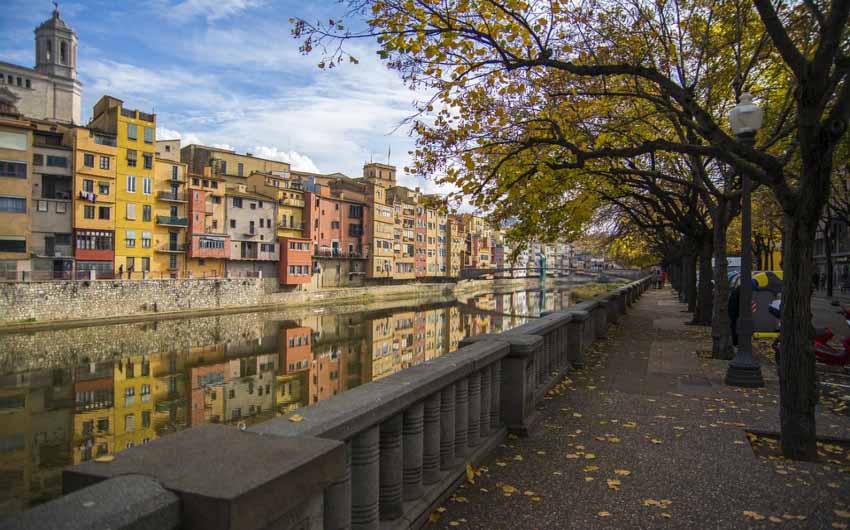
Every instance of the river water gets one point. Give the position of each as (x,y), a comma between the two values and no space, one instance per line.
(76,394)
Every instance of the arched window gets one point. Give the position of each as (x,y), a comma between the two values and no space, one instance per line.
(63,52)
(48,50)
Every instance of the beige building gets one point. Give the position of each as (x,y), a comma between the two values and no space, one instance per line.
(235,168)
(381,177)
(15,189)
(253,234)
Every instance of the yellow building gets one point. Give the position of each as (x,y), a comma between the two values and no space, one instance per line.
(171,214)
(208,243)
(235,168)
(134,405)
(381,260)
(134,199)
(95,160)
(15,191)
(456,246)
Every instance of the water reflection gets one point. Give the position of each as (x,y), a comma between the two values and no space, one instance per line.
(68,396)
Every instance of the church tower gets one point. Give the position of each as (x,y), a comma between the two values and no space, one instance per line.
(56,48)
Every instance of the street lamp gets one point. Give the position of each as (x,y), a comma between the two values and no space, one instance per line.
(744,370)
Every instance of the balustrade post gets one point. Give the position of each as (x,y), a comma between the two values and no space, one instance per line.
(392,465)
(447,427)
(474,420)
(495,394)
(365,479)
(431,440)
(461,420)
(412,444)
(611,308)
(600,320)
(337,499)
(486,383)
(575,339)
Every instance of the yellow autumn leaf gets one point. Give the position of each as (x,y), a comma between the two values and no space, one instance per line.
(753,515)
(589,456)
(630,425)
(470,474)
(775,519)
(614,440)
(666,515)
(614,484)
(603,514)
(434,517)
(844,514)
(296,418)
(107,458)
(839,526)
(588,479)
(508,490)
(572,456)
(623,472)
(577,415)
(588,469)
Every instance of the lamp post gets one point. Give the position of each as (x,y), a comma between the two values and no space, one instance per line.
(744,370)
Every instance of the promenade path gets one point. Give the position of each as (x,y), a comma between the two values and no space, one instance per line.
(648,436)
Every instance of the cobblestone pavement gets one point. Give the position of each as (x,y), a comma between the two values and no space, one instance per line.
(648,436)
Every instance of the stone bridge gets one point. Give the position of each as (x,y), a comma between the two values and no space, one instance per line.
(383,455)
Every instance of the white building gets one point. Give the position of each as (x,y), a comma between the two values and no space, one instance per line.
(51,90)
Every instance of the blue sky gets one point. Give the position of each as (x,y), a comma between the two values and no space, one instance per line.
(228,73)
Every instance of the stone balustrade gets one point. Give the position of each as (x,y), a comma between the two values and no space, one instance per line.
(382,455)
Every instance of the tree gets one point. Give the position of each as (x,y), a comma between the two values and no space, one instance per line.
(601,66)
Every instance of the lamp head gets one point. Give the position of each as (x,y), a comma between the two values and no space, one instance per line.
(746,117)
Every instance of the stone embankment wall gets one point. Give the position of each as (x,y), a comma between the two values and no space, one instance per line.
(108,299)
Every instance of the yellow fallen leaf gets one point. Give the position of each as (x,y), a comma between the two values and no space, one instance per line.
(434,517)
(603,514)
(441,509)
(508,490)
(501,464)
(577,415)
(518,458)
(107,458)
(470,474)
(630,425)
(839,526)
(844,514)
(460,499)
(296,418)
(614,484)
(588,479)
(572,456)
(614,440)
(650,502)
(775,519)
(454,523)
(535,499)
(655,440)
(589,469)
(666,515)
(623,472)
(753,515)
(589,456)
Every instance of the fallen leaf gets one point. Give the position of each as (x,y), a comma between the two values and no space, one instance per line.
(623,472)
(753,515)
(630,425)
(535,499)
(589,469)
(588,479)
(434,517)
(572,456)
(666,515)
(518,457)
(454,523)
(470,474)
(296,418)
(614,440)
(655,440)
(844,514)
(589,456)
(603,514)
(614,484)
(839,526)
(508,490)
(107,458)
(577,415)
(529,493)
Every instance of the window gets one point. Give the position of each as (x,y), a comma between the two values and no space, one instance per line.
(148,135)
(88,185)
(16,170)
(146,212)
(204,242)
(104,162)
(233,223)
(195,181)
(216,199)
(146,243)
(130,239)
(103,212)
(88,212)
(63,53)
(224,167)
(174,171)
(61,207)
(237,202)
(148,160)
(129,422)
(214,185)
(262,223)
(129,392)
(355,211)
(146,393)
(13,140)
(146,419)
(240,169)
(132,156)
(131,211)
(57,161)
(253,206)
(37,159)
(94,239)
(131,183)
(13,204)
(147,186)
(146,371)
(335,224)
(41,206)
(215,224)
(132,131)
(103,425)
(103,188)
(88,160)
(13,244)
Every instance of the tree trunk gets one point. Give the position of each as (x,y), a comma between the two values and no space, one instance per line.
(702,315)
(721,337)
(691,282)
(797,375)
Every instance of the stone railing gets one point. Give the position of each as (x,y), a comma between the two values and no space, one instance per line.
(383,455)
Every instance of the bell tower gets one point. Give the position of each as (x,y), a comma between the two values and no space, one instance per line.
(56,47)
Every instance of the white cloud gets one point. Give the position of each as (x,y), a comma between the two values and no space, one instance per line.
(164,133)
(293,158)
(210,9)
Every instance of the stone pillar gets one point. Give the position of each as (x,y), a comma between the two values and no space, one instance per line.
(431,440)
(337,499)
(495,393)
(447,427)
(486,383)
(461,420)
(612,308)
(575,342)
(365,478)
(412,445)
(392,464)
(474,420)
(600,320)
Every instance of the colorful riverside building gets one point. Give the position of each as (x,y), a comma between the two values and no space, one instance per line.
(93,197)
(15,189)
(380,178)
(135,200)
(171,214)
(134,405)
(254,249)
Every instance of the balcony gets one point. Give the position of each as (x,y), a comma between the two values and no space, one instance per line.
(296,226)
(53,251)
(296,203)
(336,253)
(168,220)
(171,248)
(171,196)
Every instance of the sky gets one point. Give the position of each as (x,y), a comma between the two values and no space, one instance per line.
(228,73)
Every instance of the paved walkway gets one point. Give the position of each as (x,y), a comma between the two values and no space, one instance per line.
(647,436)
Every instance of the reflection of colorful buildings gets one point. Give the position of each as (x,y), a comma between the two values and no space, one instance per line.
(134,405)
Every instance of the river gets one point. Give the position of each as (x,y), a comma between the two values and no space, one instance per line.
(70,395)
